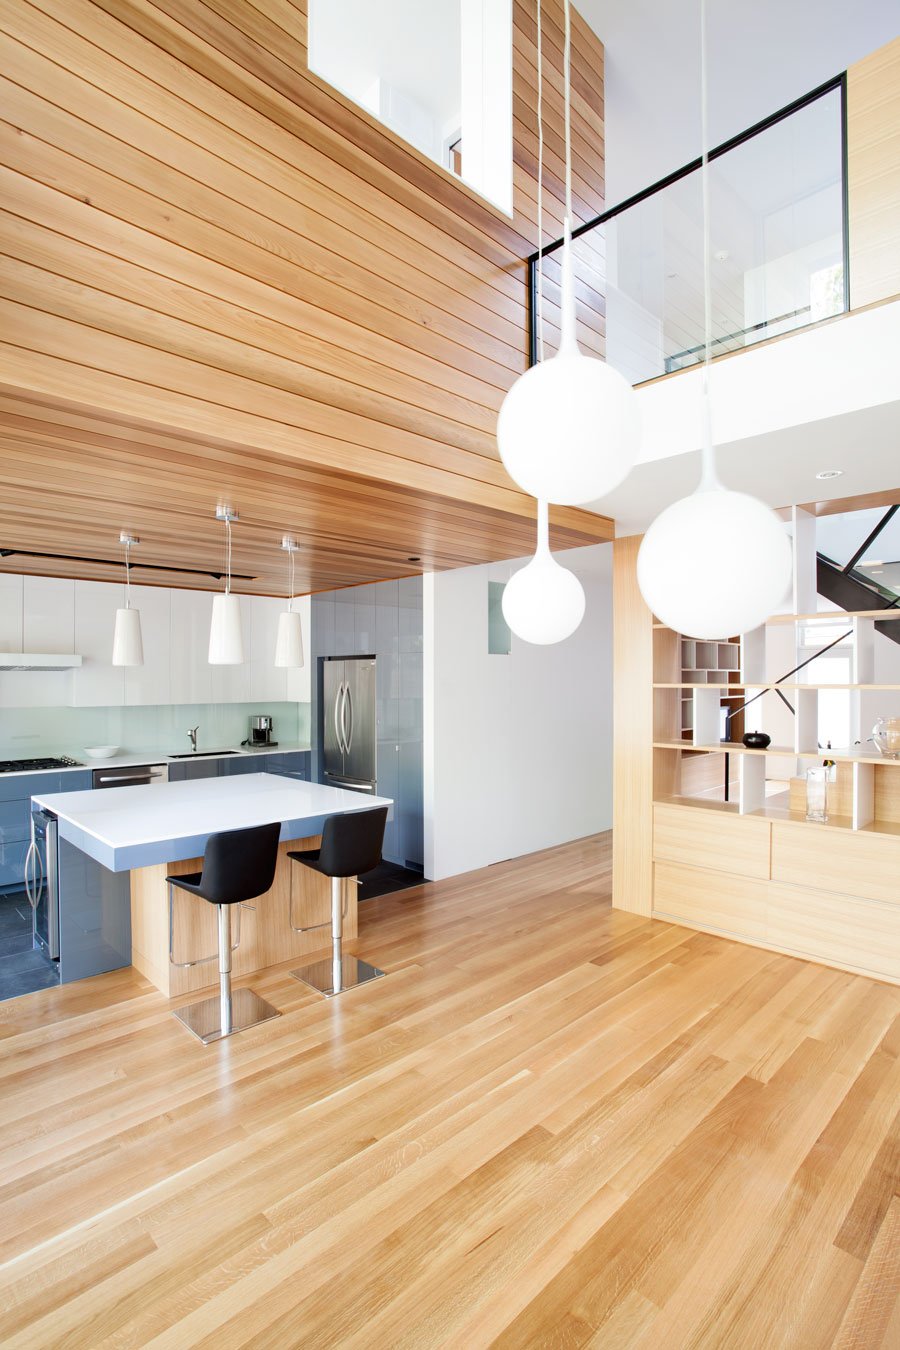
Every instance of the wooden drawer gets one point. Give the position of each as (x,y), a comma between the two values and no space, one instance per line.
(863,935)
(847,861)
(703,837)
(733,906)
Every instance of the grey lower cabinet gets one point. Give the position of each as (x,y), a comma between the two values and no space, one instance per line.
(287,764)
(16,792)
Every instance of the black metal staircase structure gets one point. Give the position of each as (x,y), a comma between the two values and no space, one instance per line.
(852,590)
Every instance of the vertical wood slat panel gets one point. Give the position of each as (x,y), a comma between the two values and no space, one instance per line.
(633,735)
(873,164)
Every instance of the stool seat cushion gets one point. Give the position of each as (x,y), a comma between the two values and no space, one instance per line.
(238,865)
(188,882)
(308,856)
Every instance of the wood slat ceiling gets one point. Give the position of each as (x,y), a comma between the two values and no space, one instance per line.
(220,279)
(70,482)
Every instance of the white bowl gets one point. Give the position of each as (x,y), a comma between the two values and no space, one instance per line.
(101,751)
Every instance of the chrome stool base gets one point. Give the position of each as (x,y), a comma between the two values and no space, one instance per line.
(321,975)
(204,1020)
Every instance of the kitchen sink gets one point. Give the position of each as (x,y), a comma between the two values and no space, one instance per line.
(201,754)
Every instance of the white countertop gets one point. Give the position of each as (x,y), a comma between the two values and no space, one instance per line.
(126,758)
(130,827)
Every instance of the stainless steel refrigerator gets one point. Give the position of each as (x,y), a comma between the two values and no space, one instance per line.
(350,730)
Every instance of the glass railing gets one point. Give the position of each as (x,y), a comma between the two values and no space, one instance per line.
(778,244)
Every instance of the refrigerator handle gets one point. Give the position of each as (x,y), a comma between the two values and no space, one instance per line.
(337,716)
(348,722)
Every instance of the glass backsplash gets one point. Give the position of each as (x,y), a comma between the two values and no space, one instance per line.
(26,733)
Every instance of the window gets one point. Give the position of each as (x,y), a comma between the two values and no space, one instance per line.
(439,75)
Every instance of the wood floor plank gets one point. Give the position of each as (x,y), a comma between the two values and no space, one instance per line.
(553,1124)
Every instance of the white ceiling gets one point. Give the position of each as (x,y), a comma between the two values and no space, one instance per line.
(762,55)
(780,467)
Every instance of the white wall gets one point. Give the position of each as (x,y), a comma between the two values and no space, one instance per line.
(518,748)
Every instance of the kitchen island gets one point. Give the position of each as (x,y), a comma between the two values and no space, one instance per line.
(153,831)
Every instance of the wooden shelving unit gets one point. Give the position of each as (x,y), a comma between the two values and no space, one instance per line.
(704,837)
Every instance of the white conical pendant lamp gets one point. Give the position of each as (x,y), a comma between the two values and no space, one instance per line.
(289,641)
(717,563)
(569,428)
(128,645)
(226,639)
(543,602)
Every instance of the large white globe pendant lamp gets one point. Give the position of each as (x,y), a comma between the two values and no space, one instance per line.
(128,644)
(543,602)
(289,639)
(569,428)
(226,638)
(717,563)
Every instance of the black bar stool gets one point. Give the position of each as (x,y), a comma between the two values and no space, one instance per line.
(238,865)
(351,844)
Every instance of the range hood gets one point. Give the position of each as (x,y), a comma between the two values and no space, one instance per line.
(39,661)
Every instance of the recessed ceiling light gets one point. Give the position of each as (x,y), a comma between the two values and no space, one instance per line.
(831,473)
(414,559)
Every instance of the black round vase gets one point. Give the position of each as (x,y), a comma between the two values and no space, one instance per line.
(756,740)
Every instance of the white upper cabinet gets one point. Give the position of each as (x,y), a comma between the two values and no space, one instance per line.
(11,588)
(97,683)
(151,683)
(48,615)
(191,673)
(268,682)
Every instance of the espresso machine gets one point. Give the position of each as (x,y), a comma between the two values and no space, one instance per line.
(261,729)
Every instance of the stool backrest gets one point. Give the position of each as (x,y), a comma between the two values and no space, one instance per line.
(239,864)
(351,842)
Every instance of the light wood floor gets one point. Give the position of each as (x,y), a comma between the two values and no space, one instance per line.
(553,1124)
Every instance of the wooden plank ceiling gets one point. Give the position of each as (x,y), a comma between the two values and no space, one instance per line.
(222,281)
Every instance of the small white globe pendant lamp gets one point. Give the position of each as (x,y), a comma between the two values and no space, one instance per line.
(289,641)
(569,428)
(226,639)
(128,645)
(543,602)
(717,563)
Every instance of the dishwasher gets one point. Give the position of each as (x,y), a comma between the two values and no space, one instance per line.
(131,775)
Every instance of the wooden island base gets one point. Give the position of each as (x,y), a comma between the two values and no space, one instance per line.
(266,937)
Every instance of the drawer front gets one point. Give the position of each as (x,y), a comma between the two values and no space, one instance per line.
(864,934)
(701,837)
(15,820)
(733,906)
(846,861)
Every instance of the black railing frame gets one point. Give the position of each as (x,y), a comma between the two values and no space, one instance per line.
(838,82)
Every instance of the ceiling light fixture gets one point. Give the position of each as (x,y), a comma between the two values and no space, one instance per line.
(831,473)
(289,642)
(543,602)
(128,644)
(718,562)
(568,429)
(226,640)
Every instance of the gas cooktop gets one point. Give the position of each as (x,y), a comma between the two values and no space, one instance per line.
(28,765)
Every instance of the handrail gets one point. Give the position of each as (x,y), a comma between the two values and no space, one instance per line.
(838,82)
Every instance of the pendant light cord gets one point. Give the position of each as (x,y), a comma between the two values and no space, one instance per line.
(708,478)
(127,574)
(291,599)
(227,556)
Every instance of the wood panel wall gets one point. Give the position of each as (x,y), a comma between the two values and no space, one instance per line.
(204,245)
(873,163)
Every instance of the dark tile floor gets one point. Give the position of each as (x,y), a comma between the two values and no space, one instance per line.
(385,878)
(22,969)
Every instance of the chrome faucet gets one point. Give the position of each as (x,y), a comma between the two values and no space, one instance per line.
(193,735)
